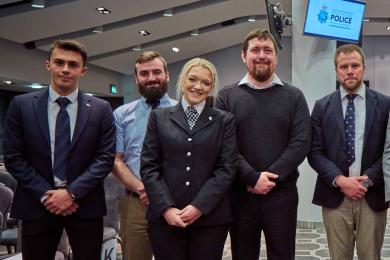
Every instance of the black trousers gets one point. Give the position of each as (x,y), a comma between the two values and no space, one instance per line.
(40,238)
(190,243)
(275,214)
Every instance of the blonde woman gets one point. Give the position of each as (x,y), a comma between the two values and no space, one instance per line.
(187,167)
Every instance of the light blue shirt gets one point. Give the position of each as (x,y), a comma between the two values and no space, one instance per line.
(131,121)
(275,81)
(52,110)
(360,123)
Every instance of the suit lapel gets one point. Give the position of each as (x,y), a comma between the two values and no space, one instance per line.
(337,111)
(83,111)
(371,106)
(205,118)
(179,117)
(40,108)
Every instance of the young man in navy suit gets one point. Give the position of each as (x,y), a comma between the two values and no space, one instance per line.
(349,129)
(59,144)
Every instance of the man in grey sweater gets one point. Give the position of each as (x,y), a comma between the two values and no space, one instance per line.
(274,132)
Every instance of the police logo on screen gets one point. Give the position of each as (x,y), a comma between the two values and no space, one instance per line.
(323,14)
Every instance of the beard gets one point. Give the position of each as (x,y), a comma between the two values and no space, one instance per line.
(351,86)
(153,90)
(262,74)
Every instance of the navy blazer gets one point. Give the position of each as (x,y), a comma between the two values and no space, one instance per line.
(27,154)
(181,167)
(328,151)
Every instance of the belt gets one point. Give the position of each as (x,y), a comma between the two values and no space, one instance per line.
(132,193)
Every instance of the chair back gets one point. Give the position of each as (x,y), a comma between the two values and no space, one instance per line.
(8,180)
(6,196)
(113,191)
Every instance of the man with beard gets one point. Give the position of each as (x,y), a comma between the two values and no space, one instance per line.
(151,76)
(273,131)
(349,129)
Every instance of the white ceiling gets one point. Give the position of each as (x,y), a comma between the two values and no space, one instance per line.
(112,49)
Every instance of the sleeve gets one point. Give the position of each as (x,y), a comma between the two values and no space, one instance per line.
(15,154)
(299,142)
(151,170)
(103,162)
(317,159)
(386,162)
(247,174)
(216,187)
(120,131)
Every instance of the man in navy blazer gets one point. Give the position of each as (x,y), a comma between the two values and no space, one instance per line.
(349,128)
(46,201)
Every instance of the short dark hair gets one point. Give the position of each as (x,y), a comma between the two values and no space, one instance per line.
(70,45)
(347,49)
(261,35)
(149,56)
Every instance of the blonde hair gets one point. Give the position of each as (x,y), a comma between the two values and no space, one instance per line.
(186,69)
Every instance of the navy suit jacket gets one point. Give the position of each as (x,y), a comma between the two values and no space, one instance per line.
(27,154)
(328,151)
(181,167)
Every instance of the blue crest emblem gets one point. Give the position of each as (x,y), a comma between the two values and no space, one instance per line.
(323,14)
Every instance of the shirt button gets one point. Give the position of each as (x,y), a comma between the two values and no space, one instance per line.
(189,139)
(188,169)
(189,154)
(187,183)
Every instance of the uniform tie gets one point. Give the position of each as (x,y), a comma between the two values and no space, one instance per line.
(192,116)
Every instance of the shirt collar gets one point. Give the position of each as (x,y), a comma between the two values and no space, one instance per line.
(275,81)
(361,92)
(53,95)
(165,101)
(199,107)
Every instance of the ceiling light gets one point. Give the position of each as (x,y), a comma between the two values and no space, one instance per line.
(98,29)
(136,48)
(168,12)
(366,19)
(37,86)
(38,3)
(175,49)
(252,19)
(195,32)
(144,32)
(7,82)
(103,10)
(388,28)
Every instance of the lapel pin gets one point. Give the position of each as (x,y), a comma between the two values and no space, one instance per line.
(88,105)
(210,118)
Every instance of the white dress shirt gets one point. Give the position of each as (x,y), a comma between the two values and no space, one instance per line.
(52,110)
(360,123)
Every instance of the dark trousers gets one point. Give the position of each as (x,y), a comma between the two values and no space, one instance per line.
(40,238)
(190,243)
(275,214)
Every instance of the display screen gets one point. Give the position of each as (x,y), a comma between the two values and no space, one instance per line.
(336,19)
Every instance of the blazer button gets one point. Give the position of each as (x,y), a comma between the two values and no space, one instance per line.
(189,154)
(189,139)
(188,169)
(187,183)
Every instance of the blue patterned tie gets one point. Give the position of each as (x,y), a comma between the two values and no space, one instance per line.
(349,125)
(62,140)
